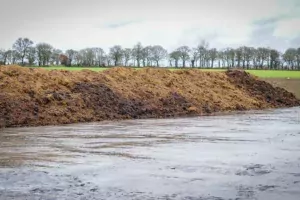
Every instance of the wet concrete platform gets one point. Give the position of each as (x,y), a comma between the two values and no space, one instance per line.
(252,155)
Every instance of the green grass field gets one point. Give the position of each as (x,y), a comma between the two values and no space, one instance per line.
(259,73)
(275,73)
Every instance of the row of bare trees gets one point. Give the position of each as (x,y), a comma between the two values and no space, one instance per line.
(24,52)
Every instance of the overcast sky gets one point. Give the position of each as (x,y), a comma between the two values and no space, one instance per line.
(79,24)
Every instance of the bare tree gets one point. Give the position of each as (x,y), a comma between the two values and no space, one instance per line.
(230,57)
(175,55)
(31,55)
(290,57)
(88,57)
(255,57)
(202,51)
(127,52)
(147,56)
(247,56)
(108,58)
(70,53)
(222,58)
(98,54)
(158,53)
(44,52)
(195,57)
(263,56)
(24,52)
(4,56)
(274,59)
(137,53)
(170,61)
(239,56)
(55,56)
(79,57)
(21,46)
(298,58)
(213,54)
(184,54)
(13,56)
(116,53)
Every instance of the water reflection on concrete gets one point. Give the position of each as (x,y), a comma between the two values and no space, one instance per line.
(253,155)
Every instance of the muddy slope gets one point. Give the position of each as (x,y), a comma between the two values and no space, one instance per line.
(291,85)
(31,97)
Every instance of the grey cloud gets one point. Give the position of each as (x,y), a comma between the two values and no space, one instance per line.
(295,42)
(120,24)
(55,20)
(193,36)
(267,22)
(263,35)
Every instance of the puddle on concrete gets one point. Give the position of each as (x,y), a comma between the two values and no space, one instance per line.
(247,156)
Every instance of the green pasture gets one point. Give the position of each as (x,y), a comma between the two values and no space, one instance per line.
(275,73)
(259,73)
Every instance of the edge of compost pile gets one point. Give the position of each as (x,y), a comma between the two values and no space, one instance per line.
(38,97)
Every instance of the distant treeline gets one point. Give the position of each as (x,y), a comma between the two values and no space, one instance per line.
(25,52)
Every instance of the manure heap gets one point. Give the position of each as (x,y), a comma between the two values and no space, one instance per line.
(34,97)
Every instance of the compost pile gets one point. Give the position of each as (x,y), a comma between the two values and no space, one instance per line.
(33,97)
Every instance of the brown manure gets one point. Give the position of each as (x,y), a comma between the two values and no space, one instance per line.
(33,97)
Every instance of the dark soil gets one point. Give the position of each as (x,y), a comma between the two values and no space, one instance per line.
(262,90)
(291,85)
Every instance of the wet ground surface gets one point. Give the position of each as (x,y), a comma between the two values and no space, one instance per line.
(244,156)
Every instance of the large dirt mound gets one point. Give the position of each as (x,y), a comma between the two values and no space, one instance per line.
(261,90)
(39,97)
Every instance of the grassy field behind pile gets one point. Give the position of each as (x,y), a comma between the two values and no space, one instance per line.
(259,73)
